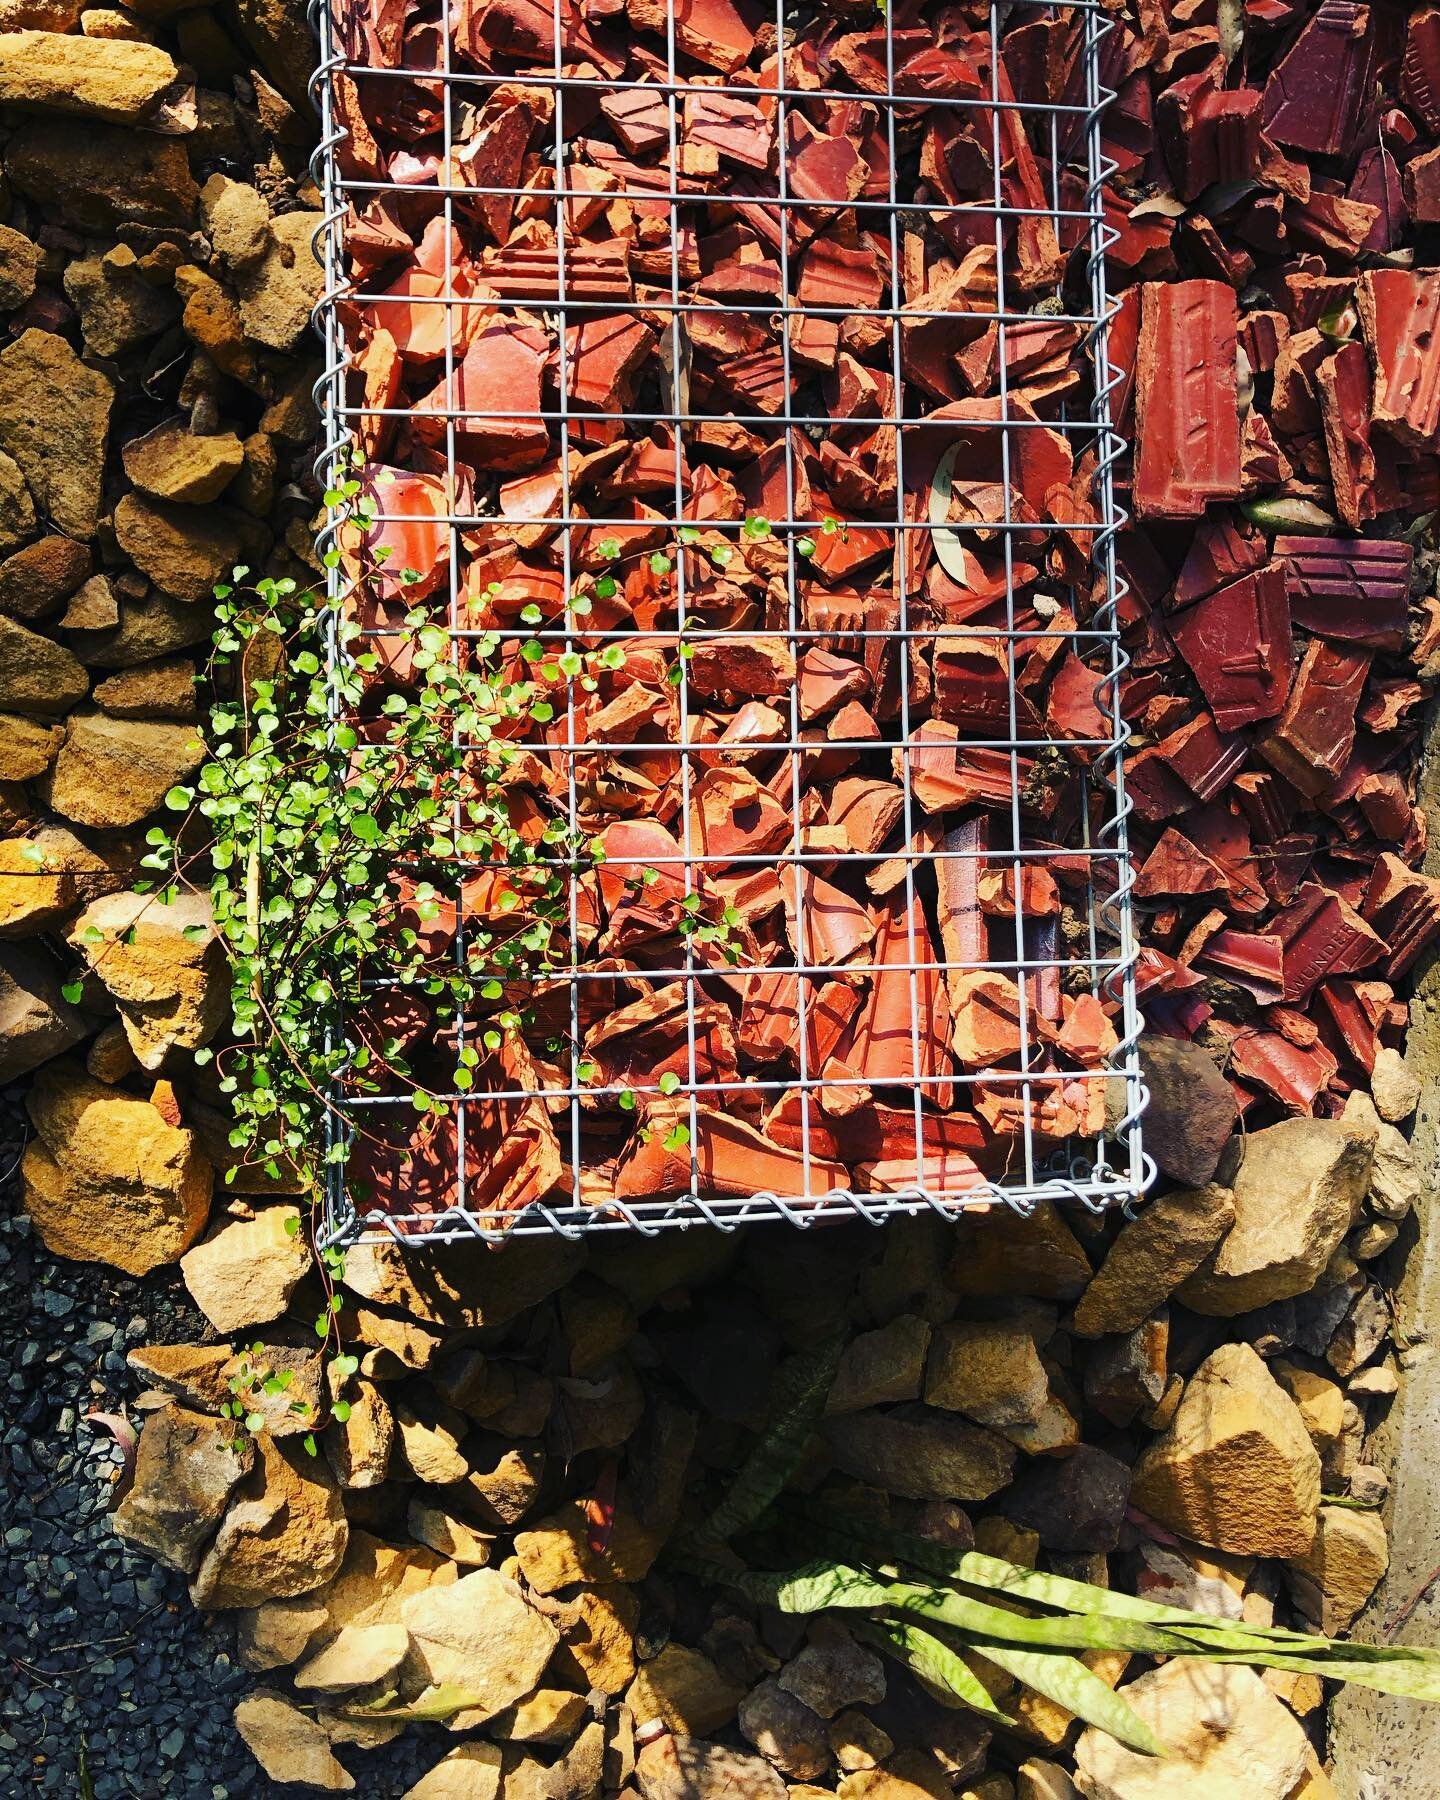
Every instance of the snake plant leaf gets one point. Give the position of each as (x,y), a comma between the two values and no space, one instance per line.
(1010,1579)
(1067,1681)
(1411,1676)
(812,1588)
(441,1702)
(935,1665)
(801,1388)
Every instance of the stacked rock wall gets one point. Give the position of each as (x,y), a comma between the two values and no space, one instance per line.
(156,424)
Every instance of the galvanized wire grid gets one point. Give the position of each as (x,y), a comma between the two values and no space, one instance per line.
(1099,1171)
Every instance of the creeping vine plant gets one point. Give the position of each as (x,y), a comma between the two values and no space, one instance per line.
(359,798)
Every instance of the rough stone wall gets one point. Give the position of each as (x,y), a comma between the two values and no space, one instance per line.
(155,430)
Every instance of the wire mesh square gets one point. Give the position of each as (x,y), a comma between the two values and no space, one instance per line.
(761,402)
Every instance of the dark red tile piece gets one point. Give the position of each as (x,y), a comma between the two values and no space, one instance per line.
(1187,422)
(1236,642)
(1355,590)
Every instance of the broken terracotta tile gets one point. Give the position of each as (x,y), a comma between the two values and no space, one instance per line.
(1356,590)
(1187,419)
(1311,742)
(1237,644)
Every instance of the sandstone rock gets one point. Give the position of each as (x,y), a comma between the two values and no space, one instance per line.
(600,1645)
(19,263)
(153,627)
(686,1768)
(54,420)
(1342,1568)
(165,968)
(1372,1239)
(1003,1253)
(1075,1503)
(110,22)
(881,1366)
(119,310)
(784,1731)
(284,1534)
(185,1468)
(212,321)
(990,1370)
(36,675)
(450,1536)
(244,1272)
(857,1742)
(254,487)
(171,463)
(277,293)
(833,1672)
(278,1633)
(191,1372)
(288,1744)
(1127,1375)
(358,1447)
(574,1776)
(284,1385)
(1156,1251)
(236,219)
(1229,1739)
(557,1552)
(94,606)
(469,1772)
(428,1447)
(355,1657)
(1037,1779)
(375,1581)
(1394,1087)
(1236,1469)
(45,876)
(185,550)
(1320,1403)
(163,689)
(548,1716)
(100,178)
(468,1287)
(1361,1332)
(37,1022)
(116,772)
(1297,1194)
(117,82)
(35,580)
(920,1454)
(281,42)
(106,1178)
(684,1691)
(893,1784)
(479,1636)
(1395,1184)
(505,1492)
(17,509)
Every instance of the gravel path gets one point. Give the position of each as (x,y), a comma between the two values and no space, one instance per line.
(103,1655)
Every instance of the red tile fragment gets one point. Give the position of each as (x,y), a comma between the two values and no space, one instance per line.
(1187,419)
(1342,385)
(1356,590)
(1237,644)
(1400,316)
(1315,96)
(1311,743)
(1404,907)
(1322,936)
(1420,70)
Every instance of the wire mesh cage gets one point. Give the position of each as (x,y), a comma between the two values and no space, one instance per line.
(737,384)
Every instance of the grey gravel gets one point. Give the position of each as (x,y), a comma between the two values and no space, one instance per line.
(102,1655)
